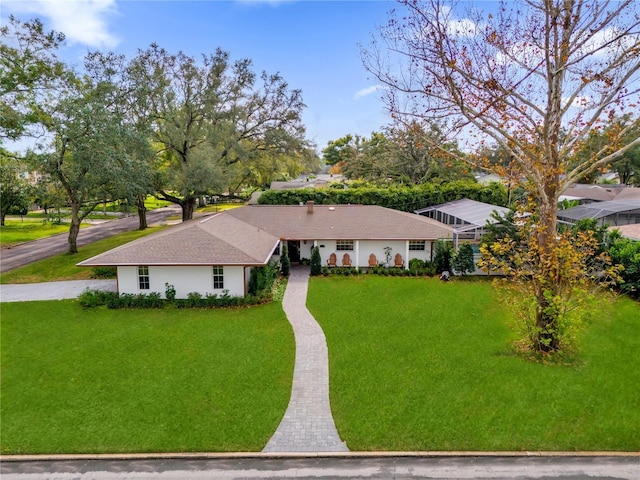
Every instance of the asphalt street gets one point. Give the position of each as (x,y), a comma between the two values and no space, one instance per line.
(26,253)
(321,468)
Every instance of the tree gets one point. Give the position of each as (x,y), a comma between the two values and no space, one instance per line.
(210,118)
(90,151)
(13,188)
(462,260)
(140,169)
(421,153)
(341,151)
(29,72)
(536,77)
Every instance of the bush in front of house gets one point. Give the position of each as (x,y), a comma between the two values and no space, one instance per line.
(316,261)
(140,300)
(442,256)
(462,261)
(285,262)
(262,279)
(95,298)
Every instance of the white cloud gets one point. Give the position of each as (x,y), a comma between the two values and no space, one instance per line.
(366,91)
(82,21)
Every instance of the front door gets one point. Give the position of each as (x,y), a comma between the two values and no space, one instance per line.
(294,251)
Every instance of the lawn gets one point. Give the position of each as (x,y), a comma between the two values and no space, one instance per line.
(16,231)
(417,364)
(63,266)
(88,381)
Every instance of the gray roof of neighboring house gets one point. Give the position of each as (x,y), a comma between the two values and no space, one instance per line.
(341,222)
(476,214)
(216,240)
(600,209)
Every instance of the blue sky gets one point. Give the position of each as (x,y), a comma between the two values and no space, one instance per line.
(315,45)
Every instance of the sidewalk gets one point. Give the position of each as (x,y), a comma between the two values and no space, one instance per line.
(52,290)
(308,424)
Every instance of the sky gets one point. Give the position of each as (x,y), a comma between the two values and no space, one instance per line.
(314,45)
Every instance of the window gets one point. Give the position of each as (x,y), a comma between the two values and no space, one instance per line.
(143,278)
(344,245)
(417,245)
(218,277)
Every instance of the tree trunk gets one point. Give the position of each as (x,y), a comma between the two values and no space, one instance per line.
(188,205)
(74,229)
(547,287)
(142,213)
(4,214)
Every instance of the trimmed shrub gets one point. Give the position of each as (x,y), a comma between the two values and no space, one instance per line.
(462,261)
(285,262)
(316,261)
(96,298)
(442,256)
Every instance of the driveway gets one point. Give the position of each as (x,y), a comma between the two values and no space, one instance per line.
(52,290)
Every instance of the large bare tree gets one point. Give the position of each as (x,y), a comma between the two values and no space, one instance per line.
(535,76)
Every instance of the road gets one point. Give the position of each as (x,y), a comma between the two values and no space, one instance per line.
(26,253)
(397,468)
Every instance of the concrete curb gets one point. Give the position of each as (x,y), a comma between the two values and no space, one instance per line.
(297,455)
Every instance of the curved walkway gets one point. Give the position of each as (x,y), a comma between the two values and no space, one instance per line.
(307,425)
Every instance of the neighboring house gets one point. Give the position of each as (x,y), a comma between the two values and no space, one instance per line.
(629,231)
(589,193)
(217,253)
(615,212)
(468,218)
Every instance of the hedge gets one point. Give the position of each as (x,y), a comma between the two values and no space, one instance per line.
(405,198)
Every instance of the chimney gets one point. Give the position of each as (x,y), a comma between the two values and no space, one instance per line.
(310,206)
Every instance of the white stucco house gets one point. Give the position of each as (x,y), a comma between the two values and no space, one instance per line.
(216,253)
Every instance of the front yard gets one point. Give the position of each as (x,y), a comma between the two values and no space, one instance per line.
(102,380)
(417,364)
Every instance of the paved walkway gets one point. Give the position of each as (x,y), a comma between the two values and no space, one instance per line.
(307,425)
(52,290)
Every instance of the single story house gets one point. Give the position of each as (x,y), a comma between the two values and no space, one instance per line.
(217,253)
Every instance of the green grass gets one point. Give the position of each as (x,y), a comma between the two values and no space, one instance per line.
(63,266)
(16,231)
(76,381)
(417,364)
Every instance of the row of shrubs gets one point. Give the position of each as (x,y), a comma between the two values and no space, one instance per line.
(97,298)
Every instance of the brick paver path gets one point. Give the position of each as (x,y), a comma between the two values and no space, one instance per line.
(307,425)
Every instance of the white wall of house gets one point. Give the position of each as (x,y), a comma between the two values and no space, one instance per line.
(363,248)
(185,279)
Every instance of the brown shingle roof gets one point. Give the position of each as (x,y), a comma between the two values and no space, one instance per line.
(341,222)
(249,235)
(216,240)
